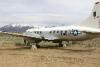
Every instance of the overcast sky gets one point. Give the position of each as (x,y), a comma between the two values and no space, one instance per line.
(44,11)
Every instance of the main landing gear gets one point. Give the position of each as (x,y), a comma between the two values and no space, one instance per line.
(65,43)
(32,44)
(35,44)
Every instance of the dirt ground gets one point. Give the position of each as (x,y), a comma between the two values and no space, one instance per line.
(49,57)
(81,54)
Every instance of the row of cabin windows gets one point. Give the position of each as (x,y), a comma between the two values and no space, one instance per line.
(59,32)
(38,32)
(53,32)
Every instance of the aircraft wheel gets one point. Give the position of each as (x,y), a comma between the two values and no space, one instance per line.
(60,45)
(25,42)
(37,45)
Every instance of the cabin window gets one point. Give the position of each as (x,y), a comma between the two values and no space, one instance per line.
(50,32)
(61,32)
(40,32)
(57,31)
(53,31)
(64,32)
(94,14)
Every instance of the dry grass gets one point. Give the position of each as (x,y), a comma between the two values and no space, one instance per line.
(49,58)
(80,54)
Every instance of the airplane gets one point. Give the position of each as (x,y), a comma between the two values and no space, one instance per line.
(88,29)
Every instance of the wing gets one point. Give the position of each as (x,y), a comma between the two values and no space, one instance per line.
(32,35)
(24,35)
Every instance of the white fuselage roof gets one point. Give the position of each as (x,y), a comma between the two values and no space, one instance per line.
(63,28)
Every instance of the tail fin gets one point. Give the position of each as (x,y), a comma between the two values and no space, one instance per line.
(94,19)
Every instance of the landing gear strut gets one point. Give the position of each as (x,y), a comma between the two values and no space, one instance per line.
(62,45)
(34,46)
(65,43)
(27,43)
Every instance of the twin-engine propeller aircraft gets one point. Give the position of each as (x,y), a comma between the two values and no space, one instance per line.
(88,29)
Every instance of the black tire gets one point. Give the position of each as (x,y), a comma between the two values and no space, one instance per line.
(25,42)
(37,45)
(60,45)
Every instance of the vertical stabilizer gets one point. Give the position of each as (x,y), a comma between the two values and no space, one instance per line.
(94,19)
